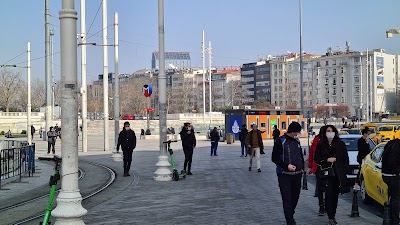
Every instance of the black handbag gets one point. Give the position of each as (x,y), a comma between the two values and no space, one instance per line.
(327,172)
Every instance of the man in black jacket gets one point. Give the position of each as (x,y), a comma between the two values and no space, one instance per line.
(188,144)
(288,157)
(127,141)
(242,137)
(276,133)
(214,136)
(391,176)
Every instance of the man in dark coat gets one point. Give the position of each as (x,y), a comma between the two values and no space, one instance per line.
(127,141)
(214,136)
(188,144)
(242,138)
(255,145)
(276,133)
(288,157)
(391,176)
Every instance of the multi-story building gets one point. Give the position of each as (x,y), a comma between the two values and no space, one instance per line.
(173,60)
(263,80)
(225,88)
(247,73)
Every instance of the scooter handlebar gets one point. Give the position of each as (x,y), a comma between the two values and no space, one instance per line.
(55,158)
(169,141)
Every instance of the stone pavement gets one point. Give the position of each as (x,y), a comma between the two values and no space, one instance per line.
(221,191)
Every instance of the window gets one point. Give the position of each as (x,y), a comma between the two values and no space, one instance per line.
(342,80)
(326,81)
(327,100)
(342,99)
(356,80)
(275,81)
(376,155)
(334,81)
(356,89)
(275,89)
(283,125)
(356,69)
(334,62)
(342,70)
(356,59)
(342,90)
(280,66)
(280,88)
(334,91)
(318,64)
(276,66)
(280,81)
(334,71)
(262,125)
(326,63)
(280,73)
(326,72)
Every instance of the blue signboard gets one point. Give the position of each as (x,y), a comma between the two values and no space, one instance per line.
(235,124)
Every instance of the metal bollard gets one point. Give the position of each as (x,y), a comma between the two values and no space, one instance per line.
(354,206)
(305,181)
(386,213)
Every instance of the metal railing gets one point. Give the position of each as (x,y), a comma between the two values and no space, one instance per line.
(15,162)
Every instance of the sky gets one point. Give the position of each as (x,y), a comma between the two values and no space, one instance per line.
(241,31)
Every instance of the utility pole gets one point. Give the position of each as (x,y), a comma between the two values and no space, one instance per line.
(52,72)
(29,110)
(203,50)
(163,173)
(367,89)
(301,61)
(48,113)
(361,91)
(105,78)
(209,75)
(116,88)
(69,210)
(83,78)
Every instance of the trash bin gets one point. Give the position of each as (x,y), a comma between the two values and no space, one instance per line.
(230,138)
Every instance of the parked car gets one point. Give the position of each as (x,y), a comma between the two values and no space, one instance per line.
(389,132)
(128,117)
(351,142)
(372,186)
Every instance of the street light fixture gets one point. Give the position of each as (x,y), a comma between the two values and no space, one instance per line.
(390,32)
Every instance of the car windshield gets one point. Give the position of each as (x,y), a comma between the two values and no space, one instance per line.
(351,143)
(385,128)
(371,130)
(353,131)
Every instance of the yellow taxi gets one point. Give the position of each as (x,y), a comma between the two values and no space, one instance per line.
(350,131)
(372,185)
(389,132)
(374,133)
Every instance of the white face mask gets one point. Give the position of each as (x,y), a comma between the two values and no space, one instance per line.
(127,128)
(330,135)
(189,128)
(297,136)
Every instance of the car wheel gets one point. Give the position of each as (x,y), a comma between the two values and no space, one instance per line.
(364,195)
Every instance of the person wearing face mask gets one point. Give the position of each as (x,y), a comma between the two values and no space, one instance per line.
(188,144)
(127,141)
(331,152)
(288,157)
(363,150)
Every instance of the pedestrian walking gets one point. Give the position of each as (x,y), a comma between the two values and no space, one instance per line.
(332,157)
(276,133)
(288,157)
(343,119)
(51,140)
(56,130)
(214,136)
(255,146)
(391,176)
(141,133)
(242,138)
(127,141)
(363,150)
(32,131)
(188,144)
(314,169)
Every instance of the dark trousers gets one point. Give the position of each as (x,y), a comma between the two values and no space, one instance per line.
(331,196)
(289,186)
(243,145)
(127,160)
(214,146)
(51,145)
(319,190)
(188,158)
(393,184)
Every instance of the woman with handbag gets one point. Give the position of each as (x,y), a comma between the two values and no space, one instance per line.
(332,158)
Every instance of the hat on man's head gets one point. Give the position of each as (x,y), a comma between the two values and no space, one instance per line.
(187,123)
(294,127)
(127,123)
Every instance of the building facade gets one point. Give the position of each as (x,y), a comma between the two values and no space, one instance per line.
(173,60)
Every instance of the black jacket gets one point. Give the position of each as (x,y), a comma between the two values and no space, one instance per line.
(127,140)
(188,140)
(243,134)
(341,166)
(363,150)
(214,135)
(287,150)
(276,133)
(391,157)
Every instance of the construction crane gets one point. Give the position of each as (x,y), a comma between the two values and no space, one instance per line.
(390,32)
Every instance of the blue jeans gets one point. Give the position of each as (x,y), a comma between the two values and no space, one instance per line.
(243,144)
(214,146)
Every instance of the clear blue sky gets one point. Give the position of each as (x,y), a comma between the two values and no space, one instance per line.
(240,31)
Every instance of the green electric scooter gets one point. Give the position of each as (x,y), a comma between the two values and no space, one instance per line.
(175,174)
(53,184)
